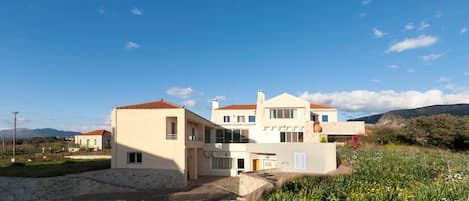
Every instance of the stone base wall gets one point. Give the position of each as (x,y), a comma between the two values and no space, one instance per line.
(101,181)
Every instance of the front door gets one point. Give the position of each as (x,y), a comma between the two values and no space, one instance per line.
(87,143)
(255,164)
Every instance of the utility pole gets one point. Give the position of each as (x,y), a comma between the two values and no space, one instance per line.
(3,145)
(14,136)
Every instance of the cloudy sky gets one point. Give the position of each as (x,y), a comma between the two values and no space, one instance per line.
(65,64)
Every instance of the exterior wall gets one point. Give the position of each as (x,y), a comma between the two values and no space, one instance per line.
(141,130)
(91,138)
(219,150)
(218,114)
(344,128)
(331,113)
(320,157)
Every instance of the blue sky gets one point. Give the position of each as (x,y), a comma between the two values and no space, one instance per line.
(65,64)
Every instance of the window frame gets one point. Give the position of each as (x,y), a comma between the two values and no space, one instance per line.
(226,119)
(134,157)
(325,118)
(251,118)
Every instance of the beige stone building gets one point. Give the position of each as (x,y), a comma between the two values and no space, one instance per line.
(273,133)
(96,140)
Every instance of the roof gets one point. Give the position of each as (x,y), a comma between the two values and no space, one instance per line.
(98,132)
(162,104)
(317,106)
(239,107)
(253,107)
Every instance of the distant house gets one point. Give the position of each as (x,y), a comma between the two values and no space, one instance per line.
(97,139)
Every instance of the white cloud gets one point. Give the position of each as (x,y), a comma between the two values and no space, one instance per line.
(131,45)
(378,33)
(463,30)
(411,70)
(443,79)
(190,103)
(101,11)
(183,93)
(366,2)
(466,73)
(136,11)
(438,14)
(375,81)
(393,66)
(219,98)
(431,57)
(362,14)
(412,43)
(381,101)
(409,26)
(423,25)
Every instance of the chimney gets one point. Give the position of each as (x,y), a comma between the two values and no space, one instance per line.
(260,107)
(260,97)
(215,104)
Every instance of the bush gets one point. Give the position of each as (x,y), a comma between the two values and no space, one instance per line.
(17,164)
(323,139)
(443,131)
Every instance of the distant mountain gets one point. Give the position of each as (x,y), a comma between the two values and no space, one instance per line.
(25,133)
(397,117)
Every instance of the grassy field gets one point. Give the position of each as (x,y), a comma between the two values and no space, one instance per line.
(53,167)
(387,173)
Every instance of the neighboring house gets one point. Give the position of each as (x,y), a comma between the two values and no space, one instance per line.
(96,140)
(274,133)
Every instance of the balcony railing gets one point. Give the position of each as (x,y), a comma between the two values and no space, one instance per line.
(171,136)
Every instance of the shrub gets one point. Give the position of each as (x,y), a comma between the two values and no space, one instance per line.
(323,139)
(17,164)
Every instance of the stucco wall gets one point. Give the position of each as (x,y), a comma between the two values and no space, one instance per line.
(143,130)
(320,157)
(102,181)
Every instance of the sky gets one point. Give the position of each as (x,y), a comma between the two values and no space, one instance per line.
(66,64)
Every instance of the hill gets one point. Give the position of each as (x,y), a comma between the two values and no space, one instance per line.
(25,133)
(397,117)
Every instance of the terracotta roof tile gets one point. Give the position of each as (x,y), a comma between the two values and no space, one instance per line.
(317,106)
(162,104)
(98,132)
(239,107)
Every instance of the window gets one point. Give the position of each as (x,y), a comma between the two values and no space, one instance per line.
(134,157)
(240,163)
(252,118)
(312,117)
(226,119)
(221,163)
(80,142)
(228,136)
(193,136)
(232,136)
(236,135)
(171,128)
(287,113)
(325,118)
(241,119)
(291,136)
(95,142)
(219,136)
(108,142)
(207,135)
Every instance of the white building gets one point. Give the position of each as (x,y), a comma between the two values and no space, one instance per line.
(282,132)
(96,140)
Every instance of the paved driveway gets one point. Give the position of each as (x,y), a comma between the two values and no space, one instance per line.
(205,188)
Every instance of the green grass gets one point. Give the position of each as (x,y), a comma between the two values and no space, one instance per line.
(50,168)
(387,173)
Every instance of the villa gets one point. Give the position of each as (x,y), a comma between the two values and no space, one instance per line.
(282,132)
